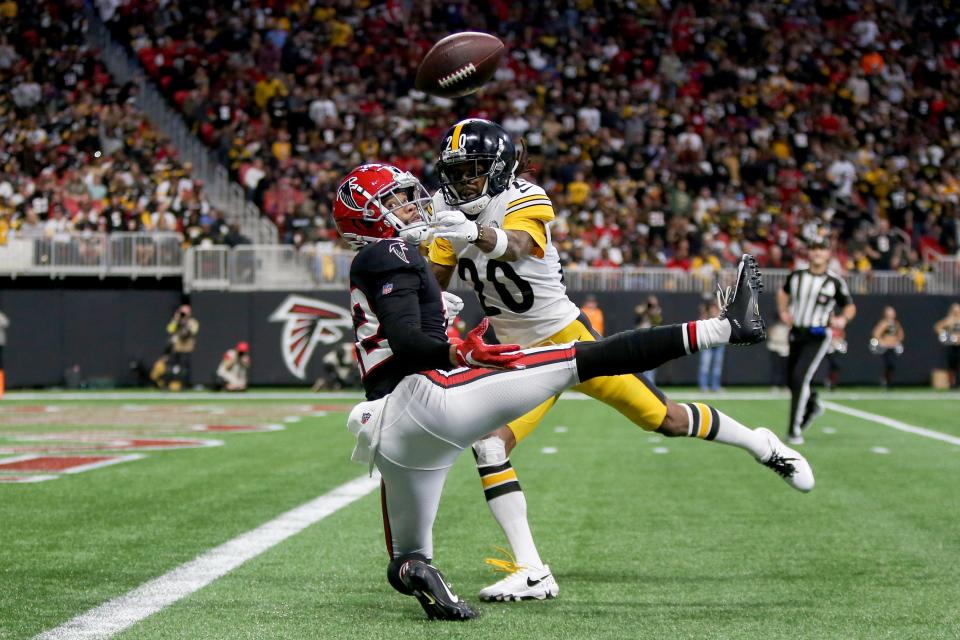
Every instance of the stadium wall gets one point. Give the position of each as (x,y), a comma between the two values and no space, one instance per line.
(102,331)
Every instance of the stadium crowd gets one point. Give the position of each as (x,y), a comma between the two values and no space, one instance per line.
(667,133)
(76,155)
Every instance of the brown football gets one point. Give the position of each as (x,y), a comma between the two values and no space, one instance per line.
(459,64)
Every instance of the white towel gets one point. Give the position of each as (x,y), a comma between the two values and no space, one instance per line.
(365,422)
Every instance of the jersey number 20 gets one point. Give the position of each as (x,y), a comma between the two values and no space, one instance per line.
(494,268)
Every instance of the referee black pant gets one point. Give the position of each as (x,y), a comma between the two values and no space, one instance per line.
(807,349)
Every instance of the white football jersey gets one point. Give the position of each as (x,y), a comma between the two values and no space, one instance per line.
(525,300)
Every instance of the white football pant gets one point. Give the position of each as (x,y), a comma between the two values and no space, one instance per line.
(415,434)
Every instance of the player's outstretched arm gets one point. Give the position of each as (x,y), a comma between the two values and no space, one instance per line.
(519,243)
(499,244)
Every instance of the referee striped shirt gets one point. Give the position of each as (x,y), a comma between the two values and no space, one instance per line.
(814,297)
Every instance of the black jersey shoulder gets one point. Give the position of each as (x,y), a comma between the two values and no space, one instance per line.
(388,255)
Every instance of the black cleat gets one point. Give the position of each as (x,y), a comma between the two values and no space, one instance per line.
(741,307)
(427,585)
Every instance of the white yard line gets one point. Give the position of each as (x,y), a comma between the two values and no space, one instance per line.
(890,422)
(121,613)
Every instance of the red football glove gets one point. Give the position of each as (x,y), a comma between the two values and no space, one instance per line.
(474,352)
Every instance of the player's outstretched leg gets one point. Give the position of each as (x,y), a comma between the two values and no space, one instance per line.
(698,420)
(740,323)
(413,575)
(786,462)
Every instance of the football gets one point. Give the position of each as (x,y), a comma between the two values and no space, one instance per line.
(459,64)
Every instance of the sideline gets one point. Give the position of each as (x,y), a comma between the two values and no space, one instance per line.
(119,614)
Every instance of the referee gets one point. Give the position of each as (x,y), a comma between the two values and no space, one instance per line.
(813,302)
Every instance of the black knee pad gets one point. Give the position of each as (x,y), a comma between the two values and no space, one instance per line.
(393,571)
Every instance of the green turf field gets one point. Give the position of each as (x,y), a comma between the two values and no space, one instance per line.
(648,537)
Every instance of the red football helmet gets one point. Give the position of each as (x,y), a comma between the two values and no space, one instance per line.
(372,199)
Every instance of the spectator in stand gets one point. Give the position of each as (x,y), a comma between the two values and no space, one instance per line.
(78,158)
(779,114)
(883,249)
(234,237)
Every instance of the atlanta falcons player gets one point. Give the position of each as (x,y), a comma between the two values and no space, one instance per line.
(429,399)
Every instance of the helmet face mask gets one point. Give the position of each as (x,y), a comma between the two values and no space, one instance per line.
(377,201)
(477,162)
(465,180)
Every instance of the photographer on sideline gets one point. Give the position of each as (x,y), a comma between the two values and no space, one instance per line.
(183,329)
(234,369)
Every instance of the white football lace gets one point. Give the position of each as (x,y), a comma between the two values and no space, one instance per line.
(457,75)
(723,297)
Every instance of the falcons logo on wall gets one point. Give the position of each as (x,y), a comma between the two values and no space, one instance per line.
(307,322)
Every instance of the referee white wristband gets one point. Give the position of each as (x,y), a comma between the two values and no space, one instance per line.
(500,247)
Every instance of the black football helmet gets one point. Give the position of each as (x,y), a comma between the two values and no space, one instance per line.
(475,148)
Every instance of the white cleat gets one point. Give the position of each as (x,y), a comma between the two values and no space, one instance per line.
(523,584)
(787,463)
(791,439)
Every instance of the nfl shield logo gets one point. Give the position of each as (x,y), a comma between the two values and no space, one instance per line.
(387,288)
(365,417)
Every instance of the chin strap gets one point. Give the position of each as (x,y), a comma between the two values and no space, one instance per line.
(474,208)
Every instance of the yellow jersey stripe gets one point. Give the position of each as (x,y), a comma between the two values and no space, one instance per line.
(455,140)
(526,199)
(497,478)
(705,419)
(535,203)
(536,210)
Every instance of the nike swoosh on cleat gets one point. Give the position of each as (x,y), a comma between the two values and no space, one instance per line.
(453,597)
(533,583)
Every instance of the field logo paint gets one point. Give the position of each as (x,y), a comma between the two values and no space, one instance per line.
(308,321)
(45,456)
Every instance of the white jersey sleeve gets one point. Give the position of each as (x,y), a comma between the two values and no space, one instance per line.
(526,300)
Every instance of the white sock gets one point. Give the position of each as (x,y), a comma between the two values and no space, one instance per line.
(510,512)
(505,499)
(709,424)
(709,333)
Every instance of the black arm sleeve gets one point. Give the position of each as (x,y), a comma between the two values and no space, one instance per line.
(786,283)
(399,314)
(843,296)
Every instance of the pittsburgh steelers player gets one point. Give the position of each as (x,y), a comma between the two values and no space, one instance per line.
(494,231)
